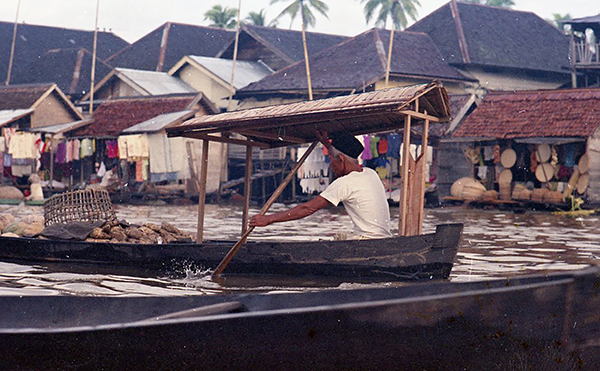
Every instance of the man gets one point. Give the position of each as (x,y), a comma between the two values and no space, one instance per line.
(358,188)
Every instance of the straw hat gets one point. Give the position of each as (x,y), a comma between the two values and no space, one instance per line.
(543,152)
(508,158)
(457,187)
(544,172)
(505,176)
(584,164)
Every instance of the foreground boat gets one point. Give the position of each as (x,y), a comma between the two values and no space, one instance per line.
(416,257)
(532,322)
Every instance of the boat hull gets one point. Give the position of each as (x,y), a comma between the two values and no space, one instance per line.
(536,322)
(417,257)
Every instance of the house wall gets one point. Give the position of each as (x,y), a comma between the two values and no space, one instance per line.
(51,111)
(515,80)
(201,81)
(115,89)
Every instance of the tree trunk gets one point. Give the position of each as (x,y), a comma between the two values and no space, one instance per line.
(310,94)
(389,59)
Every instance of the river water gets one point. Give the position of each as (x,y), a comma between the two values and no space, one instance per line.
(495,244)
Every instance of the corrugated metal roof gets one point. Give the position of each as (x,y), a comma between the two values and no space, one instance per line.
(159,122)
(245,72)
(61,128)
(155,83)
(297,122)
(8,116)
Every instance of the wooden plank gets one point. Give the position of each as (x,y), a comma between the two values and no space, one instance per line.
(247,188)
(405,179)
(424,144)
(214,138)
(202,192)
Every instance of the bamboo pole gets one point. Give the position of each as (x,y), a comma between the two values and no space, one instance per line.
(405,175)
(389,59)
(247,188)
(202,192)
(308,79)
(93,73)
(12,46)
(235,52)
(263,211)
(424,144)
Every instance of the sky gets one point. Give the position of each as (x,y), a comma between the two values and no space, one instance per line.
(132,19)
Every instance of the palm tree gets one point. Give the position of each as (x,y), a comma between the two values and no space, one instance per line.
(397,10)
(221,17)
(500,3)
(257,18)
(308,19)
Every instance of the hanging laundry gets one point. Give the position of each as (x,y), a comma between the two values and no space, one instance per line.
(86,148)
(112,148)
(145,169)
(22,145)
(366,154)
(76,149)
(374,150)
(139,177)
(8,133)
(61,153)
(382,146)
(2,145)
(394,142)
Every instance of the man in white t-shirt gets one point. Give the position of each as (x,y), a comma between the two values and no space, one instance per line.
(358,188)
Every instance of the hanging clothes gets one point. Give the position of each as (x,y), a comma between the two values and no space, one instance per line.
(374,150)
(61,153)
(394,142)
(87,148)
(112,149)
(76,150)
(22,145)
(366,154)
(382,146)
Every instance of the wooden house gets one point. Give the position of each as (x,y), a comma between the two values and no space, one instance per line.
(125,82)
(36,105)
(551,129)
(276,47)
(212,76)
(33,42)
(503,49)
(162,48)
(357,65)
(585,50)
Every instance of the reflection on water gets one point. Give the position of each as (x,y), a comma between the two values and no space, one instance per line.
(495,244)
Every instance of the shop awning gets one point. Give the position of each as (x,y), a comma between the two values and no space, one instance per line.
(297,123)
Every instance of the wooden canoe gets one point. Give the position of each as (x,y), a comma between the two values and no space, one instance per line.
(418,257)
(541,322)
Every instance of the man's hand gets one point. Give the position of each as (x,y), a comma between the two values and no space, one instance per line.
(323,137)
(259,221)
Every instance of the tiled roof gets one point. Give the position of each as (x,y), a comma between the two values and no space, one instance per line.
(70,69)
(497,37)
(21,96)
(113,116)
(33,41)
(544,113)
(284,45)
(162,48)
(361,61)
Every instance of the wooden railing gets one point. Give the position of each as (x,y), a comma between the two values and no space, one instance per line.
(585,53)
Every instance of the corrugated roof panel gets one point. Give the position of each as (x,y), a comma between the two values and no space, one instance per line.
(156,83)
(8,116)
(246,72)
(159,122)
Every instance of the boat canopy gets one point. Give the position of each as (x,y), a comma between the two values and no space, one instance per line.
(297,123)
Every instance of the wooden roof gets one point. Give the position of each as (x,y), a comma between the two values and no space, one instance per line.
(296,123)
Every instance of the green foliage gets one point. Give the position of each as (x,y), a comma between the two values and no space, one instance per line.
(221,17)
(397,10)
(260,19)
(304,9)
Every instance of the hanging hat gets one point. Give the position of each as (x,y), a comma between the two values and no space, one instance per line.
(347,144)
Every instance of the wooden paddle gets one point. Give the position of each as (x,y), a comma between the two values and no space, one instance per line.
(263,211)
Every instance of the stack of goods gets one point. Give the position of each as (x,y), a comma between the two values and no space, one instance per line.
(521,193)
(122,232)
(29,226)
(537,194)
(490,195)
(504,184)
(553,197)
(544,172)
(467,189)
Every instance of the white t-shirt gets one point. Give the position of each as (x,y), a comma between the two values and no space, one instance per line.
(363,196)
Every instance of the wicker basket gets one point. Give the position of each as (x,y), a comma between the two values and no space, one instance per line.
(87,205)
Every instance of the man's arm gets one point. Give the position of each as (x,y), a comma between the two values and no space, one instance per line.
(296,212)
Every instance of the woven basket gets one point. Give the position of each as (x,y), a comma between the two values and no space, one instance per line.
(88,205)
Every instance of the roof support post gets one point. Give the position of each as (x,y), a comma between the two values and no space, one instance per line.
(424,143)
(202,191)
(247,188)
(405,179)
